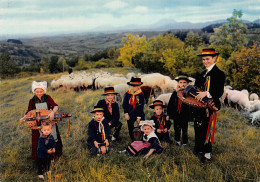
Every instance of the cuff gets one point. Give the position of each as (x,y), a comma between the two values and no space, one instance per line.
(138,117)
(208,95)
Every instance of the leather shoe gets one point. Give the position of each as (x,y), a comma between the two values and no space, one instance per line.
(205,160)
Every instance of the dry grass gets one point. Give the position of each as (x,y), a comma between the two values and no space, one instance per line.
(236,148)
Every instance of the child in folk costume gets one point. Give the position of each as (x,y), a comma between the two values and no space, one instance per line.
(111,111)
(150,144)
(179,112)
(46,149)
(162,122)
(98,131)
(43,101)
(133,104)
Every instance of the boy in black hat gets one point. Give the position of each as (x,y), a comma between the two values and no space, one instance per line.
(111,110)
(133,104)
(211,82)
(179,112)
(98,130)
(162,122)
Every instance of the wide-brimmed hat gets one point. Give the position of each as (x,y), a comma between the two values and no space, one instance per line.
(135,82)
(109,90)
(183,76)
(157,103)
(208,52)
(148,123)
(98,109)
(42,85)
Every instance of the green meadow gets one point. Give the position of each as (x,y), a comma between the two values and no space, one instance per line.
(236,150)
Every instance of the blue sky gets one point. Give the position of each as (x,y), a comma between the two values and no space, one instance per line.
(46,16)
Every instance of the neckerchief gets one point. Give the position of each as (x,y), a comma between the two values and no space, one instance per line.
(132,100)
(160,119)
(110,105)
(101,128)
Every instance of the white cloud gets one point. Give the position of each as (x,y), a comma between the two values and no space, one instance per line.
(115,5)
(141,9)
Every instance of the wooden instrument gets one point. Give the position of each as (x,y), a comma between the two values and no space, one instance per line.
(188,95)
(34,118)
(103,149)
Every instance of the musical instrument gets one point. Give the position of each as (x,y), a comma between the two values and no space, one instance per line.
(34,118)
(137,133)
(103,149)
(188,95)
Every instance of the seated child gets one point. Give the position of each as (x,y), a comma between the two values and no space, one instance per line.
(111,110)
(179,112)
(150,144)
(162,122)
(45,149)
(98,131)
(133,104)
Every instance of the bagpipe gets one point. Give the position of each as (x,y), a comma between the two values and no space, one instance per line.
(35,118)
(137,133)
(187,96)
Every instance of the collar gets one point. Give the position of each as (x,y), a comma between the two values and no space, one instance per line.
(151,135)
(210,68)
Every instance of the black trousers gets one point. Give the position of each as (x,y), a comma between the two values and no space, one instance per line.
(43,165)
(130,124)
(117,126)
(201,121)
(181,127)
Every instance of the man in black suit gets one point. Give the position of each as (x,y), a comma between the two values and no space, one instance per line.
(211,81)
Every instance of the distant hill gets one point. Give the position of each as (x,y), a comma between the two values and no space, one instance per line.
(14,41)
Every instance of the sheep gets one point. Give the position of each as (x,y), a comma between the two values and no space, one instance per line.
(238,98)
(165,98)
(245,92)
(121,89)
(170,85)
(155,80)
(255,117)
(253,97)
(255,106)
(130,75)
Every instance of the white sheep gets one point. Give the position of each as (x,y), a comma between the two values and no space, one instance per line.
(121,89)
(245,92)
(155,80)
(253,97)
(130,75)
(255,117)
(238,98)
(165,98)
(255,105)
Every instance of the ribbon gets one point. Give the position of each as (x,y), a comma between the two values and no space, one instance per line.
(211,128)
(68,129)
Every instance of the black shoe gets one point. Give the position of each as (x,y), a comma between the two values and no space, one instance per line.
(198,154)
(205,160)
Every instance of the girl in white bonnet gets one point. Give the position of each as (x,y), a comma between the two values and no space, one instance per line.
(150,143)
(41,100)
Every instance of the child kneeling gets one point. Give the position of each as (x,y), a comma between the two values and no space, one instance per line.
(150,144)
(98,132)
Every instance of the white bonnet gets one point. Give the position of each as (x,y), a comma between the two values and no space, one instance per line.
(146,122)
(42,85)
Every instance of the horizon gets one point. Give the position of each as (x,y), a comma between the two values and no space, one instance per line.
(27,17)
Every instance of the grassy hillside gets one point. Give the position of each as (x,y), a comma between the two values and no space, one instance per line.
(236,148)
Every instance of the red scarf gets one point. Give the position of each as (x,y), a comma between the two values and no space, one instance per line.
(110,105)
(160,120)
(132,100)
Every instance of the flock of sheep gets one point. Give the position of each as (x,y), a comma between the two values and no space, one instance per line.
(249,104)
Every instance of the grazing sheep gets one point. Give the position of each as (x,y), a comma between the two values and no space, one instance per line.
(155,80)
(253,97)
(245,92)
(165,98)
(238,99)
(130,75)
(148,92)
(255,117)
(255,105)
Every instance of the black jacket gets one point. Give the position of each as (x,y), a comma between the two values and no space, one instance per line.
(217,81)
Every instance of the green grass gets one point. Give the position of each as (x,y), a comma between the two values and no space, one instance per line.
(235,151)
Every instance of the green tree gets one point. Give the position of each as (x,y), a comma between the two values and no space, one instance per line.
(7,66)
(53,67)
(45,65)
(231,36)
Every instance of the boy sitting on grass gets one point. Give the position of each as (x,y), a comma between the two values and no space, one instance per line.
(98,131)
(162,121)
(111,111)
(45,149)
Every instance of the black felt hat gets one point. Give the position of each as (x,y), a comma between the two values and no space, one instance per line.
(135,82)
